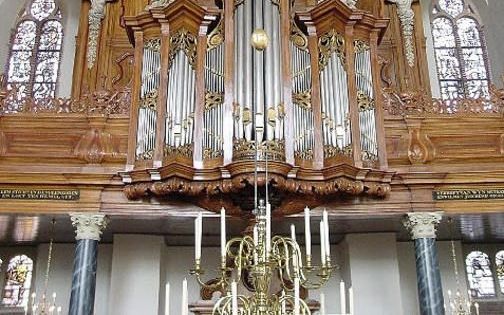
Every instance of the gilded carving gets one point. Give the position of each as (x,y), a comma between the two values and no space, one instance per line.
(150,100)
(329,43)
(159,4)
(184,150)
(185,41)
(298,38)
(302,99)
(361,46)
(331,151)
(364,102)
(350,3)
(243,149)
(216,36)
(153,44)
(213,99)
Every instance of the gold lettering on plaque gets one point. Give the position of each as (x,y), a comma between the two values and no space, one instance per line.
(40,194)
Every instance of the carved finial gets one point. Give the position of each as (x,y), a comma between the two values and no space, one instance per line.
(422,224)
(407,18)
(89,226)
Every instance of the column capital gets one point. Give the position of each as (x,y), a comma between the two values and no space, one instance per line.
(89,226)
(422,224)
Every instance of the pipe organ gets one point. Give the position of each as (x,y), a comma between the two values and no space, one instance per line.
(204,90)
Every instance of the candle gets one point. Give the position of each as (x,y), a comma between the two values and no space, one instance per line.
(351,301)
(234,297)
(322,245)
(322,304)
(256,242)
(268,229)
(307,231)
(198,231)
(54,297)
(476,306)
(293,232)
(326,236)
(51,310)
(296,296)
(167,299)
(343,297)
(184,298)
(59,310)
(223,233)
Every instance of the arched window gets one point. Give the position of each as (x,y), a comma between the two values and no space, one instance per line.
(35,50)
(18,282)
(459,46)
(479,275)
(499,269)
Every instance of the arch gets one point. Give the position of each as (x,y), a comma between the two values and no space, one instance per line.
(460,51)
(499,269)
(479,275)
(18,282)
(35,50)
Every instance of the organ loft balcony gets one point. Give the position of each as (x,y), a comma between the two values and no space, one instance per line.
(207,106)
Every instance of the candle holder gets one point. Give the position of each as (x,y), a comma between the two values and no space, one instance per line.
(261,257)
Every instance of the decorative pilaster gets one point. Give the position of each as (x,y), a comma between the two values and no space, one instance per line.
(407,18)
(95,17)
(422,226)
(89,228)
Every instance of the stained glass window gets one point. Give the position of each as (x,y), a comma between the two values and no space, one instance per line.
(35,50)
(499,269)
(479,275)
(18,282)
(459,46)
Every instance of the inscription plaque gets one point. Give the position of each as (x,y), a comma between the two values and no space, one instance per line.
(468,194)
(40,194)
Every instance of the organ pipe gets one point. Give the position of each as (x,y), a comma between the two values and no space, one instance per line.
(365,101)
(146,135)
(181,97)
(258,87)
(334,95)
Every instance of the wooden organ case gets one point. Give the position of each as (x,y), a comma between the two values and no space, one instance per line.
(201,91)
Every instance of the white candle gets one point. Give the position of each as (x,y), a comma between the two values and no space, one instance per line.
(351,301)
(223,232)
(268,229)
(198,231)
(234,298)
(476,306)
(296,296)
(293,232)
(322,304)
(184,298)
(322,244)
(256,242)
(307,231)
(59,310)
(343,297)
(167,299)
(326,236)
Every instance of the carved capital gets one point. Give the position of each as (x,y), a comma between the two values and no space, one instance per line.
(422,224)
(407,18)
(89,226)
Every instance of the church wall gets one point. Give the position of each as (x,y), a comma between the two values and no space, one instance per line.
(491,17)
(375,273)
(71,12)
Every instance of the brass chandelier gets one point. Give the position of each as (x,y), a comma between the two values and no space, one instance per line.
(257,256)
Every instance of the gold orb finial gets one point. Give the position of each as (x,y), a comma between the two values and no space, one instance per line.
(260,39)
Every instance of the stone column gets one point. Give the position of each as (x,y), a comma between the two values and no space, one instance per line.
(88,228)
(422,226)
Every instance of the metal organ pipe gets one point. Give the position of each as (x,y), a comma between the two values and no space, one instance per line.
(146,134)
(367,118)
